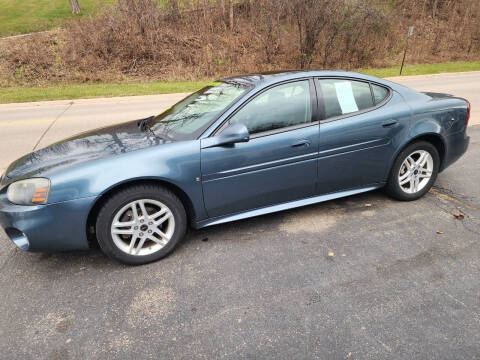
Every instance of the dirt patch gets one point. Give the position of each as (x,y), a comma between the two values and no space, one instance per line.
(150,306)
(313,219)
(48,326)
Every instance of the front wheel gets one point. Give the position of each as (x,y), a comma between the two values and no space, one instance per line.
(414,171)
(140,224)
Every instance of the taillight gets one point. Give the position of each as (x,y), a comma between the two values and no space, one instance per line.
(469,106)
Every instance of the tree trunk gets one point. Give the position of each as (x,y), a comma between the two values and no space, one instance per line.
(222,8)
(174,8)
(206,9)
(231,13)
(74,7)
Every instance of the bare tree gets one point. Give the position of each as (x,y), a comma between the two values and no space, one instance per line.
(221,4)
(74,7)
(230,12)
(174,8)
(267,16)
(311,17)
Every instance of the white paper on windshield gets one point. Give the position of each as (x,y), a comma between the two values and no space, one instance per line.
(345,97)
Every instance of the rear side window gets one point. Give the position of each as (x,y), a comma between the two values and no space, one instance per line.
(345,96)
(379,93)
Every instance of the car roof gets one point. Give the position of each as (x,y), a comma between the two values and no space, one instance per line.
(260,80)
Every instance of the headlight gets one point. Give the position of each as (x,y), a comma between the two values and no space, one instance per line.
(29,192)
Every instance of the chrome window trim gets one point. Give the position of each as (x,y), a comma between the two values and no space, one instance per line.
(344,116)
(313,110)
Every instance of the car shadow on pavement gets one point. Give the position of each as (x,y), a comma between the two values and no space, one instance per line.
(233,231)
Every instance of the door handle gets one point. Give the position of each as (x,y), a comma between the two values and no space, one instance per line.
(389,123)
(299,143)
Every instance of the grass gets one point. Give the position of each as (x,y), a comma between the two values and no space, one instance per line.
(423,69)
(24,16)
(83,91)
(79,91)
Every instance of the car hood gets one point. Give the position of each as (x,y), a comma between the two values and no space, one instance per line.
(98,143)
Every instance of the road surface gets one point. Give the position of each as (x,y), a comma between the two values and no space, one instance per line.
(403,281)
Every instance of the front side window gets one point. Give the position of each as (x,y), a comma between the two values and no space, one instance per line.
(282,106)
(188,118)
(345,96)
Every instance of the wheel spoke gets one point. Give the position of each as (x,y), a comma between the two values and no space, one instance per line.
(158,213)
(143,210)
(410,163)
(133,240)
(122,231)
(425,173)
(162,234)
(133,207)
(140,245)
(412,185)
(405,180)
(416,182)
(120,224)
(162,241)
(163,219)
(404,176)
(422,159)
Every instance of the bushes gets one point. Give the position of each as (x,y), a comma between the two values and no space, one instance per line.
(138,39)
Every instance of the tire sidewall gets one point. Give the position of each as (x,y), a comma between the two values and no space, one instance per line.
(394,187)
(119,200)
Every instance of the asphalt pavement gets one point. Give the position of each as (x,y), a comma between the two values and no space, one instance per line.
(403,281)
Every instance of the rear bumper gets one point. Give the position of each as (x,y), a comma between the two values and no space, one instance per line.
(457,145)
(47,228)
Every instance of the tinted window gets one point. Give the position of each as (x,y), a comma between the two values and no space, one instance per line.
(279,107)
(379,93)
(345,96)
(188,118)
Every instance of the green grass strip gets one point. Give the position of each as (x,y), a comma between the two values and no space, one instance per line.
(82,91)
(85,91)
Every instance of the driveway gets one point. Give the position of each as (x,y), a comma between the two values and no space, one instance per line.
(403,283)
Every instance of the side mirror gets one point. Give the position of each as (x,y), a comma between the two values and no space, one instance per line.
(232,134)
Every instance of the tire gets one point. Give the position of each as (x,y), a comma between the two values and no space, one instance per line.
(115,240)
(401,173)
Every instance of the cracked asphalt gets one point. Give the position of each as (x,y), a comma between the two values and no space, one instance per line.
(403,284)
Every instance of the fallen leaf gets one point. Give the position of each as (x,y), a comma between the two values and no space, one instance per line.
(68,341)
(439,232)
(330,254)
(368,205)
(458,216)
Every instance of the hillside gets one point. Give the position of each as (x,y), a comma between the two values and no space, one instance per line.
(140,40)
(24,16)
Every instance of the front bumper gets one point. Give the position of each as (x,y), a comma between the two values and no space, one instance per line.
(47,228)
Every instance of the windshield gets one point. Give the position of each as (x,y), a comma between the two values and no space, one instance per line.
(190,117)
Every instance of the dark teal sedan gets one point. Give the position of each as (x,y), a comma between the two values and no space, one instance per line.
(240,147)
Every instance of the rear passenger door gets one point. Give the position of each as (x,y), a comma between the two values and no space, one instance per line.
(359,122)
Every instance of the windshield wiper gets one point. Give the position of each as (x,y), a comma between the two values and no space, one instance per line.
(143,124)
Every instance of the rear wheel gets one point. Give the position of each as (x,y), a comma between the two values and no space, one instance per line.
(140,224)
(414,171)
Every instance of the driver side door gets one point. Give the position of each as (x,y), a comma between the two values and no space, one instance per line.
(278,163)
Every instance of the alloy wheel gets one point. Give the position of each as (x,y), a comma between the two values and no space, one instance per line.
(415,171)
(142,227)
